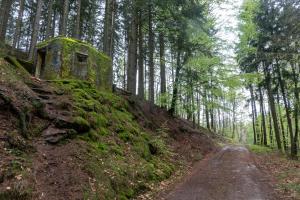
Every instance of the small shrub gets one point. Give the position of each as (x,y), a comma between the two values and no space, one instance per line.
(125,136)
(157,146)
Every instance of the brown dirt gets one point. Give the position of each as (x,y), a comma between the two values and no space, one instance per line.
(58,171)
(231,174)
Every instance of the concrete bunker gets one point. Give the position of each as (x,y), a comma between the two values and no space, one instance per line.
(66,58)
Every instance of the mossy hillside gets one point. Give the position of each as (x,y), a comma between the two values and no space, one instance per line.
(99,65)
(123,159)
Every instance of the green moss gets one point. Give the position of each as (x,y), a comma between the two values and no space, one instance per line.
(102,147)
(103,131)
(81,125)
(19,68)
(125,136)
(120,158)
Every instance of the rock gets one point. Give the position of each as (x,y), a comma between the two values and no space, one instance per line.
(63,122)
(15,140)
(78,123)
(53,135)
(81,125)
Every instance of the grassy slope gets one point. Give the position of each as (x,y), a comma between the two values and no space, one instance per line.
(120,157)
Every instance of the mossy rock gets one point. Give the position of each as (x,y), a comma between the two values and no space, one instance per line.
(81,125)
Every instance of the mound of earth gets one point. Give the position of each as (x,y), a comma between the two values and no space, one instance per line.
(65,139)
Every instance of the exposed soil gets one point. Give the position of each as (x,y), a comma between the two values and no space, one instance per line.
(231,174)
(58,171)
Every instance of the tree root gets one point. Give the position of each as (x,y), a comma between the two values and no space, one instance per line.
(21,115)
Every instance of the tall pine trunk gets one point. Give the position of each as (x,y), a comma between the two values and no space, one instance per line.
(294,143)
(272,106)
(4,16)
(109,24)
(263,118)
(151,54)
(64,19)
(176,83)
(286,103)
(141,87)
(17,34)
(78,19)
(163,88)
(36,28)
(281,124)
(253,114)
(132,54)
(50,17)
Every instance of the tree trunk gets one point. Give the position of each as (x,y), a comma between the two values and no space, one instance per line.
(53,23)
(64,19)
(294,143)
(263,118)
(77,24)
(141,88)
(286,103)
(272,106)
(199,109)
(281,124)
(132,54)
(17,34)
(270,129)
(151,55)
(253,114)
(36,29)
(176,83)
(50,17)
(109,24)
(206,112)
(233,118)
(163,88)
(4,16)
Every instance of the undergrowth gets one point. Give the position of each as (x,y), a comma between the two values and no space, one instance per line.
(260,149)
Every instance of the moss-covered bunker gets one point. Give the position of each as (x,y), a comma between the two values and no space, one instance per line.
(65,58)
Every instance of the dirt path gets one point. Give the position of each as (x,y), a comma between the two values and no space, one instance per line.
(229,175)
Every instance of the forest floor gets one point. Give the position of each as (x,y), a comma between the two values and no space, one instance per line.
(285,171)
(230,174)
